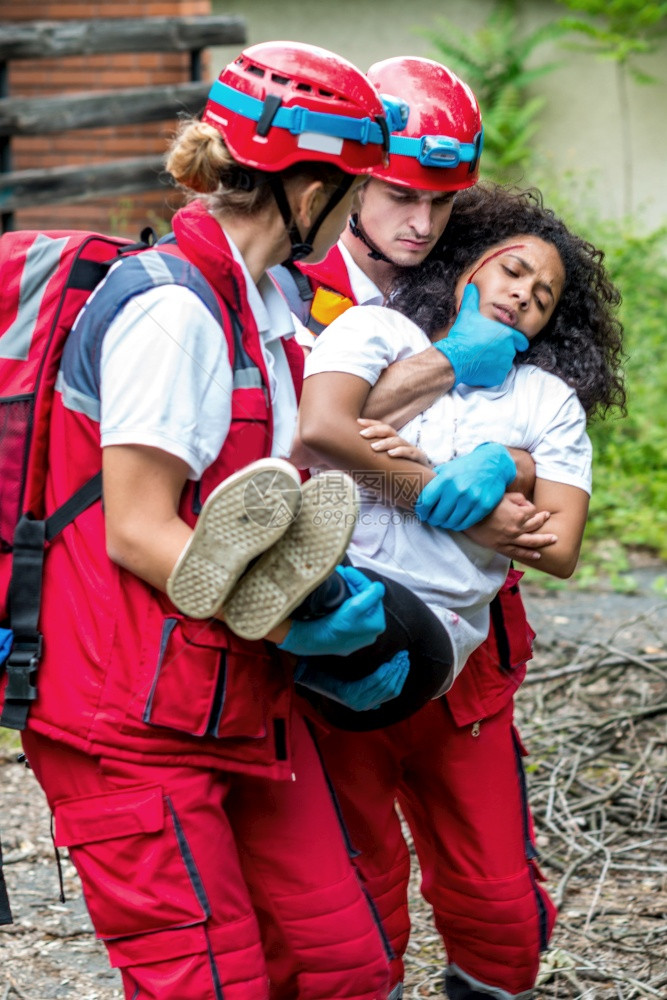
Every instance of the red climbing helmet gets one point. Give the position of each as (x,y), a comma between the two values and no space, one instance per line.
(440,146)
(281,103)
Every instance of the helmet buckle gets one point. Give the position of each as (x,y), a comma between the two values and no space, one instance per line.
(298,120)
(269,111)
(364,131)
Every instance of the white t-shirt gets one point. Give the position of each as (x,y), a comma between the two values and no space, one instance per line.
(531,409)
(167,380)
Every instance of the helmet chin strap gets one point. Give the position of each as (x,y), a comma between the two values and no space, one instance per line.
(374,252)
(303,246)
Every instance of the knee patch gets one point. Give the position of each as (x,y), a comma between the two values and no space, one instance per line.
(337,948)
(495,930)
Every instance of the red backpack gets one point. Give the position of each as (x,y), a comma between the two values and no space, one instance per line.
(45,279)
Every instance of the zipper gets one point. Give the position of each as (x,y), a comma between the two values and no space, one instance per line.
(218,697)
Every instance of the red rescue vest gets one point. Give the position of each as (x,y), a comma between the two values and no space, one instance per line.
(124,673)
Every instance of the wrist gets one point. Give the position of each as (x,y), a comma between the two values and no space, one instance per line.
(500,455)
(291,633)
(443,366)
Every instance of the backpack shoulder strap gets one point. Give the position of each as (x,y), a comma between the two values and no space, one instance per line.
(295,287)
(25,598)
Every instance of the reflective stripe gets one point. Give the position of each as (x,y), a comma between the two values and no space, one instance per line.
(77,401)
(156,267)
(247,378)
(476,988)
(41,262)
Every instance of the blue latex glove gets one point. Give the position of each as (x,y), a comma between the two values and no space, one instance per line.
(481,351)
(356,623)
(369,692)
(6,639)
(466,489)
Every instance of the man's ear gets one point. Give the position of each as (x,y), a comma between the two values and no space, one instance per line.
(309,203)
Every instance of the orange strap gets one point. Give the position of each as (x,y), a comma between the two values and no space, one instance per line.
(327,305)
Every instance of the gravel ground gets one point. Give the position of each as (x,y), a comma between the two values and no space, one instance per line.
(51,952)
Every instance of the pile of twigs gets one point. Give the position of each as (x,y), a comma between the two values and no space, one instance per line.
(595,719)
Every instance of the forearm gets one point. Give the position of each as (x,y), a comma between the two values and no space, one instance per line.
(407,387)
(568,506)
(328,428)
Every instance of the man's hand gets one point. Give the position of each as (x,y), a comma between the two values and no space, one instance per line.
(481,351)
(467,488)
(513,529)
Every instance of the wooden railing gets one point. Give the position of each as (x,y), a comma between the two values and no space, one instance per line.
(43,116)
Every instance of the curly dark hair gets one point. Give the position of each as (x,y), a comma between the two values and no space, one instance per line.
(582,342)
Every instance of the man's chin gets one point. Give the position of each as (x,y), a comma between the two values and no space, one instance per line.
(409,258)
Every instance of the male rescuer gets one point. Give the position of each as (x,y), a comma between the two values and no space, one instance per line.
(445,764)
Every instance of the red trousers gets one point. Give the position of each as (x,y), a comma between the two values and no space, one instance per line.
(212,885)
(462,792)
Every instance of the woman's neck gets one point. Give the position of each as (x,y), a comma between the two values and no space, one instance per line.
(261,239)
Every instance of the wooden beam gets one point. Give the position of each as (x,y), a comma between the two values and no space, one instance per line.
(43,116)
(28,188)
(54,39)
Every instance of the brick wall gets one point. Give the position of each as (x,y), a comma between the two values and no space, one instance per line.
(127,214)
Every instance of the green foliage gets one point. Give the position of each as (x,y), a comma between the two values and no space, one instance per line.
(622,29)
(494,62)
(630,497)
(629,503)
(10,742)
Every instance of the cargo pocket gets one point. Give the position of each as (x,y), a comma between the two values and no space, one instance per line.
(249,692)
(136,870)
(188,687)
(204,685)
(16,413)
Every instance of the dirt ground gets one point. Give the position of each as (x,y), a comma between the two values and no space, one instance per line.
(593,713)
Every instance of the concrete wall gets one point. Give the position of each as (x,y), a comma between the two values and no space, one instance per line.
(579,140)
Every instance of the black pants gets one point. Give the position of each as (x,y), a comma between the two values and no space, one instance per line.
(411,625)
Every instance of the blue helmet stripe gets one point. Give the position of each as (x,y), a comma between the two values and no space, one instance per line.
(297,119)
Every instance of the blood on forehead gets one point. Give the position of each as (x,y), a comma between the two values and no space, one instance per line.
(492,256)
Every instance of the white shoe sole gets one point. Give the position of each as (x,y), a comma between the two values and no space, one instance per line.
(307,554)
(242,517)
